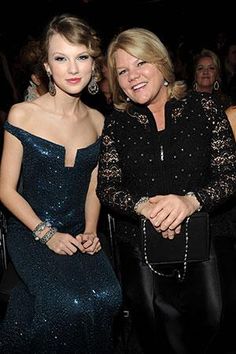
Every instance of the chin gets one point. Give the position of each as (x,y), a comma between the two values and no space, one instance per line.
(142,101)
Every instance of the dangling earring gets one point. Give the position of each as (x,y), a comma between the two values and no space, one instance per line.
(51,85)
(93,86)
(127,99)
(216,85)
(166,83)
(195,86)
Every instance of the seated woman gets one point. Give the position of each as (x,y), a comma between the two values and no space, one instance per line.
(68,294)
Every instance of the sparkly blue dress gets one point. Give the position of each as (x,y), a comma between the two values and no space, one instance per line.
(64,304)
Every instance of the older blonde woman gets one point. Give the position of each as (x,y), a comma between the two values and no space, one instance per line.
(207,75)
(160,159)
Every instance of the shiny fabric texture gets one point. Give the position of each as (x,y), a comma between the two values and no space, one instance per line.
(64,304)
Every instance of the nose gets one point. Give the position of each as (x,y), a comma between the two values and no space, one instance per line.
(73,67)
(205,70)
(133,74)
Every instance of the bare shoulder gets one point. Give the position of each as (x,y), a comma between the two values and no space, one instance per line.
(231,114)
(97,119)
(20,113)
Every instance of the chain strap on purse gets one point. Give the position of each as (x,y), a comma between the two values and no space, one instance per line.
(176,272)
(191,245)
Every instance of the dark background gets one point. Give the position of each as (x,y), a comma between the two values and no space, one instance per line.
(198,21)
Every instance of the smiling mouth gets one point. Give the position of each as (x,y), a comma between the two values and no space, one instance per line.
(139,86)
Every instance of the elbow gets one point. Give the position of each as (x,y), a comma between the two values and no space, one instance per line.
(1,192)
(5,194)
(2,195)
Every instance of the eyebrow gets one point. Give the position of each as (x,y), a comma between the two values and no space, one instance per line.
(61,53)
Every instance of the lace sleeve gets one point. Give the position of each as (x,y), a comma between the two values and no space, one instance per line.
(110,187)
(223,162)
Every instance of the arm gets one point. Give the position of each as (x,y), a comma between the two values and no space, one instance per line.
(18,206)
(89,238)
(171,210)
(231,114)
(110,186)
(92,205)
(9,176)
(222,182)
(110,190)
(223,160)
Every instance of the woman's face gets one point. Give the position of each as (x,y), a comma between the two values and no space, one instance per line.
(142,82)
(205,75)
(70,65)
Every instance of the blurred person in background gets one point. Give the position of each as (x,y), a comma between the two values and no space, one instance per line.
(33,72)
(207,76)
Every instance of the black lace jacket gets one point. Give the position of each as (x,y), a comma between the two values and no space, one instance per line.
(196,152)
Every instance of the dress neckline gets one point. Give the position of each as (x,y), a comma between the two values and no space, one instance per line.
(55,144)
(49,141)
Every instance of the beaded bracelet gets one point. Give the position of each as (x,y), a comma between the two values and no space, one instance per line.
(39,228)
(51,232)
(140,201)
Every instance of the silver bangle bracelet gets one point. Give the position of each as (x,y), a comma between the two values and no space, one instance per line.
(192,194)
(39,228)
(140,201)
(51,232)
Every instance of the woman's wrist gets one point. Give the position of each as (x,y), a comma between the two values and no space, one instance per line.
(195,200)
(48,235)
(40,229)
(90,231)
(43,232)
(140,204)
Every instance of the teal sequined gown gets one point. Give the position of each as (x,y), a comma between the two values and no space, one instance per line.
(64,304)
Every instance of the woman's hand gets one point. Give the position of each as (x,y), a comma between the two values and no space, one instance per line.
(89,243)
(147,209)
(64,244)
(171,233)
(169,211)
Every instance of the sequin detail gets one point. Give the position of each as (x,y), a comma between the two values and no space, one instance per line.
(65,304)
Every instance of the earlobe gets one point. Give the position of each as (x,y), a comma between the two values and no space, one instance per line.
(46,67)
(93,66)
(35,79)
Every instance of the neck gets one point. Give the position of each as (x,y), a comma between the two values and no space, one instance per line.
(205,89)
(157,107)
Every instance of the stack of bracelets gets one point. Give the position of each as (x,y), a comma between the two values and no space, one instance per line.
(47,236)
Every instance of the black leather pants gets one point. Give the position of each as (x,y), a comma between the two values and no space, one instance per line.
(171,316)
(225,341)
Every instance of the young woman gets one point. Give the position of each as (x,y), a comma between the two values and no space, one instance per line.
(69,294)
